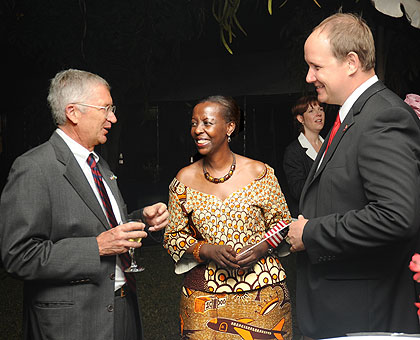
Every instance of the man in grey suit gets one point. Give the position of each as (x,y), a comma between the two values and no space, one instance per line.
(62,234)
(359,222)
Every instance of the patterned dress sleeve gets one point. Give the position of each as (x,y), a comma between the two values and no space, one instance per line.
(178,235)
(274,204)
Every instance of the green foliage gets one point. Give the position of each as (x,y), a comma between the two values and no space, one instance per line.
(225,12)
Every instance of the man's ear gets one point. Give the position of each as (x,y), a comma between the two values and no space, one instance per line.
(72,113)
(353,62)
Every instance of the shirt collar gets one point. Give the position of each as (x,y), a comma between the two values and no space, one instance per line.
(355,95)
(79,151)
(310,151)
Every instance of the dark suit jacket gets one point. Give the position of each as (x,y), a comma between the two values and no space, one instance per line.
(50,218)
(296,166)
(363,208)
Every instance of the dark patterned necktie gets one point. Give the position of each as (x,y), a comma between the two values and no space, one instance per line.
(334,130)
(125,258)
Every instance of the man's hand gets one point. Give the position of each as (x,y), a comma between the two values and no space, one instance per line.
(251,257)
(294,236)
(117,240)
(156,216)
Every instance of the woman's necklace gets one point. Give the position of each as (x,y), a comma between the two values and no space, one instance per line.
(220,179)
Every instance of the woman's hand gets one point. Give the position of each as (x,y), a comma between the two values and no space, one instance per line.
(247,260)
(224,256)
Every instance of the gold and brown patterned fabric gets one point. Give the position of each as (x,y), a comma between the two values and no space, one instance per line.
(222,303)
(241,219)
(259,314)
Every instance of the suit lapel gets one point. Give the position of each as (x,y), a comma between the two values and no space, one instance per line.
(74,174)
(314,168)
(111,181)
(345,126)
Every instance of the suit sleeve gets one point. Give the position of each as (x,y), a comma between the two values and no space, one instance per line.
(27,250)
(388,165)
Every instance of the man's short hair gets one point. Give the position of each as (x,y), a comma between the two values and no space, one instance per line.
(71,86)
(349,33)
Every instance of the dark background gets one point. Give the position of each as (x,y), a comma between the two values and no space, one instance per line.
(160,57)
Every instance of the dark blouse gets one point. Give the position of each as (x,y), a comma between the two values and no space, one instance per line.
(296,166)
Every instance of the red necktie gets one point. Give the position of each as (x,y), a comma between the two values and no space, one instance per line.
(334,130)
(125,258)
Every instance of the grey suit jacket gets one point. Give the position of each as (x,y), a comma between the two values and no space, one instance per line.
(363,208)
(49,221)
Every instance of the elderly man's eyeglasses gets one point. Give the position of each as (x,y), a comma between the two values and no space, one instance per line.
(108,109)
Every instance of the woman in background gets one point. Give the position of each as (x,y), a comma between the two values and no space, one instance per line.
(309,117)
(219,206)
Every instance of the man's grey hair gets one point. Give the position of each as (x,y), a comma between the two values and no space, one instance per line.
(71,86)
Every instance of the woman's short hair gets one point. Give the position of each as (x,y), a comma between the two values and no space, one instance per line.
(300,107)
(71,86)
(231,111)
(349,33)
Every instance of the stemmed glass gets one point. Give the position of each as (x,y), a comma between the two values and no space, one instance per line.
(134,267)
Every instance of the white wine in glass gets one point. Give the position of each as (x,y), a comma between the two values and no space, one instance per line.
(134,267)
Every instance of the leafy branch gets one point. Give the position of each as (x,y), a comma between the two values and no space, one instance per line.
(225,13)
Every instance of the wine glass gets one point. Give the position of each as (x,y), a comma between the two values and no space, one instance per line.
(134,267)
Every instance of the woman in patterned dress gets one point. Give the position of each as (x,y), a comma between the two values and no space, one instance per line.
(219,206)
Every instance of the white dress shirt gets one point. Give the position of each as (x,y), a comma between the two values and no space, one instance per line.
(310,150)
(81,154)
(345,108)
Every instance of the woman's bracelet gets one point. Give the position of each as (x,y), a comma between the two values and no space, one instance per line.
(196,251)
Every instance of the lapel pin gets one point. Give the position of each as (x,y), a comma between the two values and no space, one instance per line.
(113,177)
(345,128)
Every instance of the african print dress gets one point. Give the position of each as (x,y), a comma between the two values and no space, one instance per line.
(224,303)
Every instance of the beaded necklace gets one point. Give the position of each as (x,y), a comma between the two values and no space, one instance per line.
(220,179)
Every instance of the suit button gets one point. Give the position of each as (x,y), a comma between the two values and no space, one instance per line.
(112,276)
(110,308)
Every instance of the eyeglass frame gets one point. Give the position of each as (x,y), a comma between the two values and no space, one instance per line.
(108,109)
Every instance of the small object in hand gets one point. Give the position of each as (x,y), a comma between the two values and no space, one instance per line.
(287,239)
(133,268)
(273,237)
(138,239)
(276,234)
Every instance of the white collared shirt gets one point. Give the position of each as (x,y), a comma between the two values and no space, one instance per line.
(345,108)
(306,144)
(81,154)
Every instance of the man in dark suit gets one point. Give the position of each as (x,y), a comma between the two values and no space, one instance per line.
(61,228)
(360,204)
